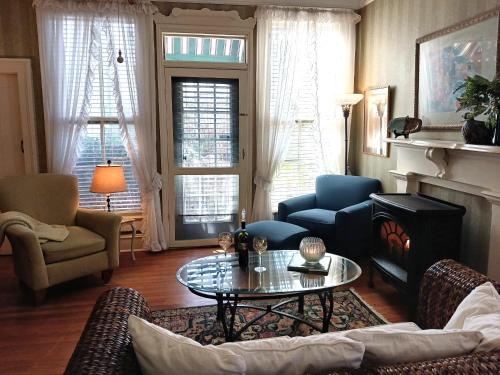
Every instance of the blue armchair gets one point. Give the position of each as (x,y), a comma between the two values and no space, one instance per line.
(339,212)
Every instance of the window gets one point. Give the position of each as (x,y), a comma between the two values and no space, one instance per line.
(102,140)
(303,161)
(302,164)
(205,48)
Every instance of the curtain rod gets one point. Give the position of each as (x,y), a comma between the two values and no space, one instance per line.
(338,10)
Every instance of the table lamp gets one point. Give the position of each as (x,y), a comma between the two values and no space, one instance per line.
(108,178)
(347,101)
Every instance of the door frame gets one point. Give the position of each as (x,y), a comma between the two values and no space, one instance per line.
(203,21)
(243,152)
(21,68)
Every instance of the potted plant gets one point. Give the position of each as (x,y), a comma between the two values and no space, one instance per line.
(480,96)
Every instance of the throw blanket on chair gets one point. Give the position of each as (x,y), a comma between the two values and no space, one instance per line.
(44,232)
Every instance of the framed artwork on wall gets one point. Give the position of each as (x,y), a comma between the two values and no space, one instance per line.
(376,120)
(444,59)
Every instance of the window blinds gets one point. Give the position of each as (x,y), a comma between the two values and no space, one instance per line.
(101,142)
(206,129)
(102,138)
(206,135)
(303,163)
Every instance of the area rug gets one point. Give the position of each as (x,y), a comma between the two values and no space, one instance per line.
(200,323)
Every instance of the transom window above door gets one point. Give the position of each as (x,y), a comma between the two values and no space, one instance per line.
(204,48)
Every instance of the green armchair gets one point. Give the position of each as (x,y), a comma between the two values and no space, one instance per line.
(91,246)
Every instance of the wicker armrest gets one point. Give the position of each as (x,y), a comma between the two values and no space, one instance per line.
(105,346)
(484,363)
(444,285)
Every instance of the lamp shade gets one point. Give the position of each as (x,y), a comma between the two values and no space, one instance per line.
(107,179)
(349,99)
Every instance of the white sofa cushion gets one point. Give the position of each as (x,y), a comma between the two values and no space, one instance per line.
(489,326)
(482,300)
(384,346)
(298,355)
(160,351)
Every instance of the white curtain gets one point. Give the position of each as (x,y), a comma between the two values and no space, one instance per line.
(137,87)
(278,49)
(332,59)
(71,63)
(68,66)
(301,52)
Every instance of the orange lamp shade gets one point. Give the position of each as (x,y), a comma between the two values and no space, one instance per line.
(107,179)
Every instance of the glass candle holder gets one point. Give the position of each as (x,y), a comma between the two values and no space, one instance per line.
(308,280)
(312,249)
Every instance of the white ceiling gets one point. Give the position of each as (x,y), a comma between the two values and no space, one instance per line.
(348,4)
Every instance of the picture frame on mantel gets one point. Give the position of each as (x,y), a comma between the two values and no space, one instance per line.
(377,112)
(444,58)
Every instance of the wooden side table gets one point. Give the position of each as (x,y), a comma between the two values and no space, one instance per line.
(130,221)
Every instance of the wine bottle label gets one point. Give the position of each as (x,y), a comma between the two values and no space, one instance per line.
(243,246)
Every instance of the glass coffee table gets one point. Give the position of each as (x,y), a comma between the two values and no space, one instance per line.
(220,278)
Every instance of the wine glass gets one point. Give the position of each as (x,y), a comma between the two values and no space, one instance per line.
(260,246)
(225,241)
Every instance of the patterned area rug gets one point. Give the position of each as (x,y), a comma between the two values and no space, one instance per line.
(200,323)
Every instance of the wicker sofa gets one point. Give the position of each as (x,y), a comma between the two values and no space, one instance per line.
(105,347)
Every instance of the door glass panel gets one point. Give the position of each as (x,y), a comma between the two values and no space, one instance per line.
(205,114)
(205,205)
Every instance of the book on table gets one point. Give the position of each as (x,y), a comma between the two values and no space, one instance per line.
(299,264)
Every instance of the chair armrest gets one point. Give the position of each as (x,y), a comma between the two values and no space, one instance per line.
(29,263)
(444,285)
(105,345)
(475,363)
(303,202)
(105,224)
(353,228)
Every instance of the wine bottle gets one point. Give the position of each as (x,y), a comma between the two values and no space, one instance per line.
(243,242)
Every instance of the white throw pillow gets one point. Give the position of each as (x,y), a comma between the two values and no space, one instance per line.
(482,300)
(298,355)
(160,351)
(305,354)
(397,346)
(489,326)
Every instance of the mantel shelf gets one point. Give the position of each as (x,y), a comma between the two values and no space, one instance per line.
(451,145)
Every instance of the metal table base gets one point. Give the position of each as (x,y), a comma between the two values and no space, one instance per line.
(231,302)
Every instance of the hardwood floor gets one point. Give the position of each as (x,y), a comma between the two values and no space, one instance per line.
(40,340)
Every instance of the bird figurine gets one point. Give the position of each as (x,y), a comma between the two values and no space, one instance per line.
(405,126)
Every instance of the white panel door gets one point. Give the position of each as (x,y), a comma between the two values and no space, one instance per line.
(18,154)
(11,134)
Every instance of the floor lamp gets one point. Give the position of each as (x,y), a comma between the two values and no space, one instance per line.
(347,101)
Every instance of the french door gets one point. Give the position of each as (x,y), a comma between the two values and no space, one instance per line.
(207,143)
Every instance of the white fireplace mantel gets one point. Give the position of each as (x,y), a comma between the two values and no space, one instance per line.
(472,169)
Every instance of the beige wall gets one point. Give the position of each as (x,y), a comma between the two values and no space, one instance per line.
(19,38)
(476,225)
(385,55)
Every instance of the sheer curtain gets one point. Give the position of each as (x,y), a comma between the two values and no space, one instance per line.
(72,37)
(301,53)
(332,60)
(278,49)
(68,66)
(137,87)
